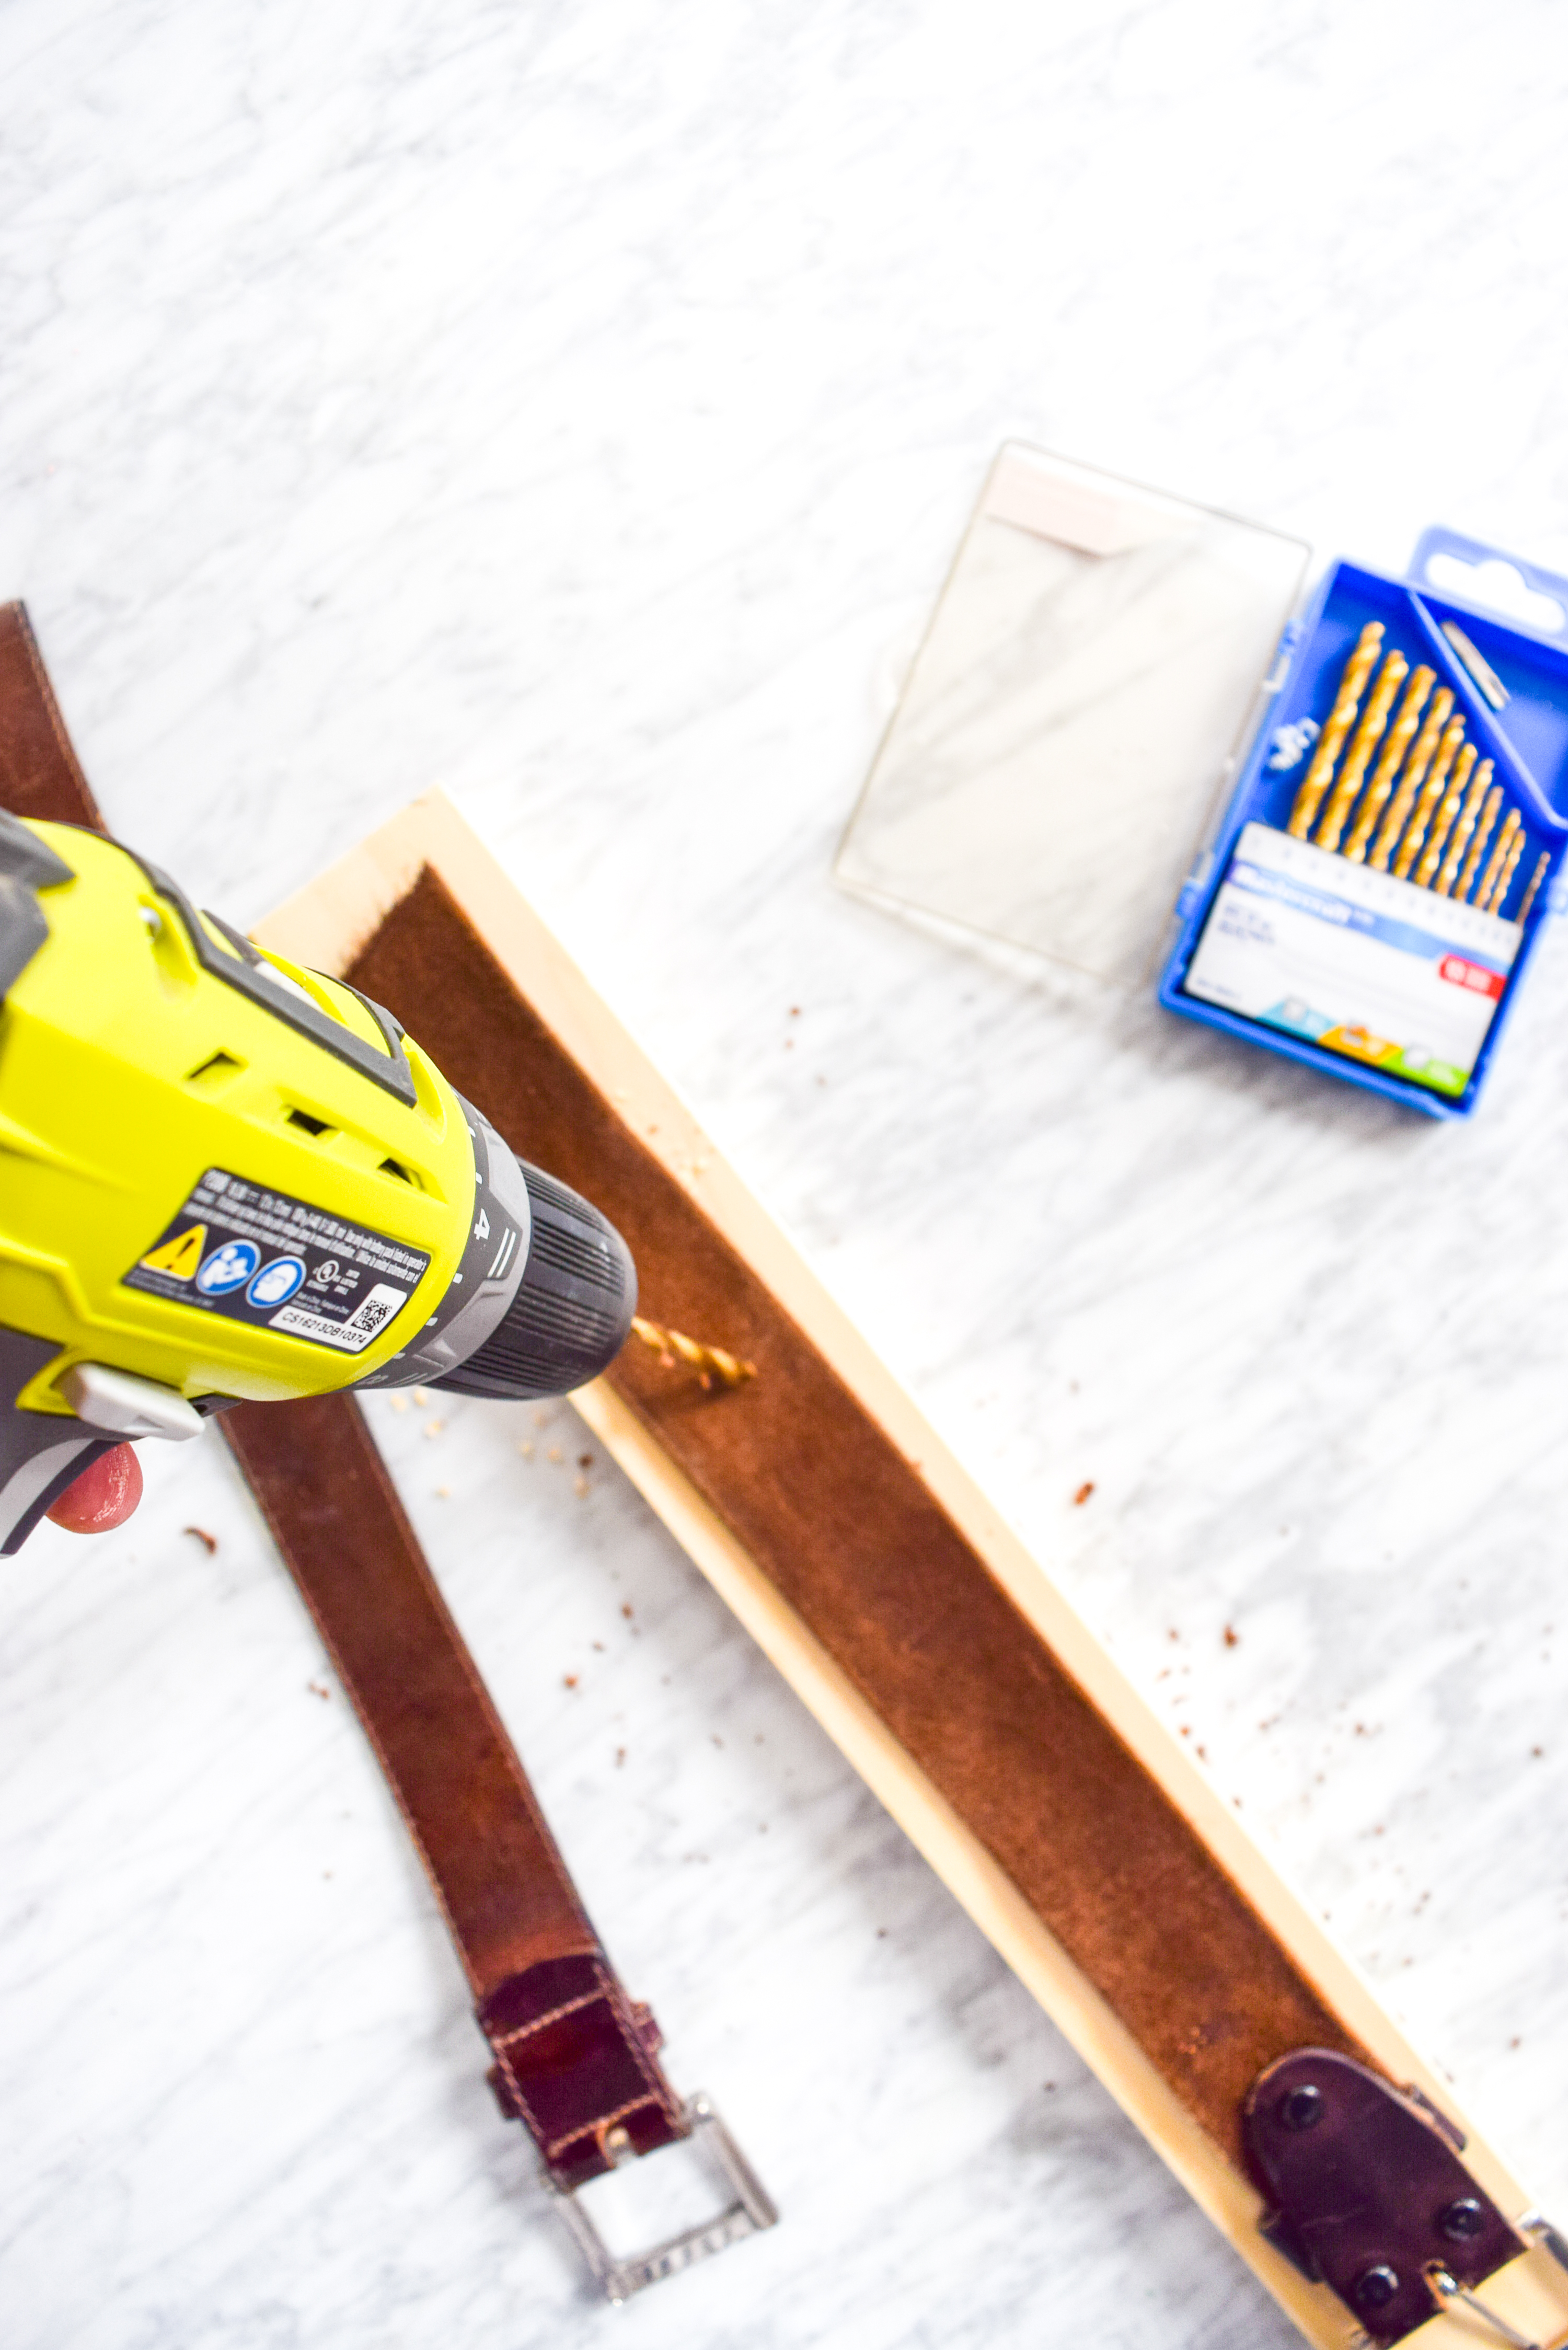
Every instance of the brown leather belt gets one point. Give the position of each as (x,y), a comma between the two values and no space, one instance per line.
(575,2058)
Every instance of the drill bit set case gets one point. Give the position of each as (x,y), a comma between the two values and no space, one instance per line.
(1335,835)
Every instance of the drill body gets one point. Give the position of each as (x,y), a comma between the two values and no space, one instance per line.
(224,1177)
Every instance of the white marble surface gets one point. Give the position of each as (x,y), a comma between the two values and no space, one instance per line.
(574,405)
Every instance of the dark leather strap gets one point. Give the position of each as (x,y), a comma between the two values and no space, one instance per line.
(40,775)
(575,2058)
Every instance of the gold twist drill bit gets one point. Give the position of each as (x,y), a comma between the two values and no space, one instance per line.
(1536,879)
(1365,741)
(1496,861)
(1432,792)
(1477,846)
(1512,842)
(1388,766)
(1443,822)
(710,1362)
(1341,718)
(1463,829)
(1410,781)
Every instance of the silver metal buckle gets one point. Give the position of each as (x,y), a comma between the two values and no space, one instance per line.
(749,2211)
(1448,2289)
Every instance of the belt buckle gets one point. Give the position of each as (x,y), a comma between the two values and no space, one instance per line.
(748,2213)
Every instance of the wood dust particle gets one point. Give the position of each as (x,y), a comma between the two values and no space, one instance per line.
(434,1427)
(1186,1730)
(443,1492)
(620,1756)
(626,1607)
(717,1740)
(527,1450)
(556,1454)
(568,1680)
(584,1459)
(211,1543)
(400,1402)
(1082,1493)
(580,1487)
(316,1691)
(421,1398)
(1233,1637)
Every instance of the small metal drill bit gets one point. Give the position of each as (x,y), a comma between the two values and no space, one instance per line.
(1492,688)
(1515,850)
(1536,879)
(674,1346)
(1431,793)
(1399,741)
(1365,741)
(1496,861)
(1410,782)
(1341,719)
(1443,822)
(1463,829)
(1484,823)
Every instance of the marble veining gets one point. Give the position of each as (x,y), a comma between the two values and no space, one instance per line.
(579,407)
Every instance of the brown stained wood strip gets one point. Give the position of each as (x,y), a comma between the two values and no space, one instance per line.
(831,1511)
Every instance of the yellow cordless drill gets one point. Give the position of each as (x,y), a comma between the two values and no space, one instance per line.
(224,1177)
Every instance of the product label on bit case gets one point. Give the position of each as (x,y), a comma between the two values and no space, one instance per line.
(1357,961)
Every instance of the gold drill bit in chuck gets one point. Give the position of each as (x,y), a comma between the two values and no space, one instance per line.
(1536,879)
(1388,766)
(1367,736)
(1504,857)
(1432,792)
(1341,719)
(1410,781)
(711,1363)
(1443,822)
(1463,829)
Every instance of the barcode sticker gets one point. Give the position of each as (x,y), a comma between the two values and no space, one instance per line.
(368,1319)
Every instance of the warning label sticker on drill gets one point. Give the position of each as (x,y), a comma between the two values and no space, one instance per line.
(258,1256)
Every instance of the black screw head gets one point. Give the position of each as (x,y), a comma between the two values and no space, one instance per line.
(1462,2220)
(1301,2108)
(1374,2288)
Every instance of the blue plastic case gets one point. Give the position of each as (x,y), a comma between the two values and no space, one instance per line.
(1527,739)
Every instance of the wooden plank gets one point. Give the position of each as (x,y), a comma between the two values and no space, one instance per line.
(332,926)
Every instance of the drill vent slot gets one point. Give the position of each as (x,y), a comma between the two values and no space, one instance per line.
(395,1167)
(302,1118)
(214,1069)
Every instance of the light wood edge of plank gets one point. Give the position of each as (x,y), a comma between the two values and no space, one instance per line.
(324,926)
